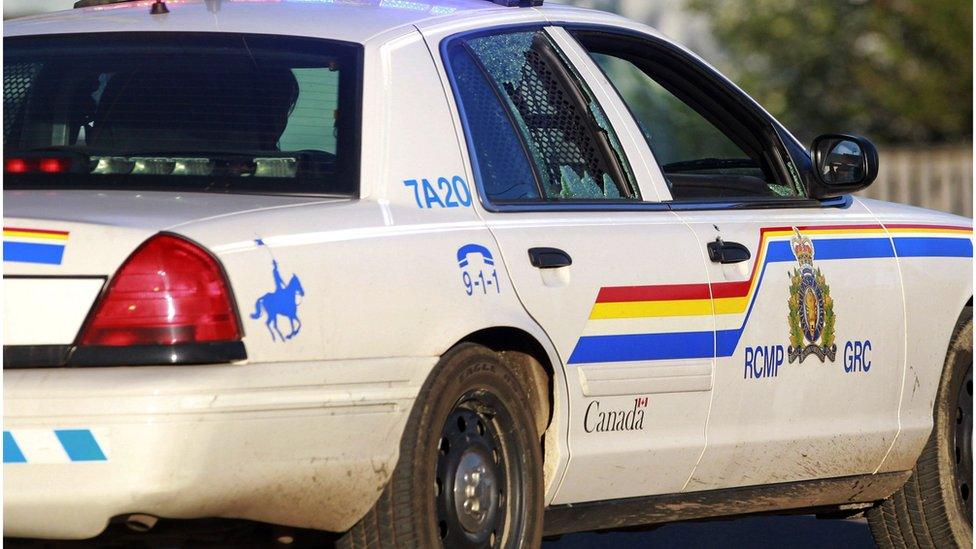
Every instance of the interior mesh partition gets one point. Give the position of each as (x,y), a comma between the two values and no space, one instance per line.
(504,167)
(17,78)
(554,120)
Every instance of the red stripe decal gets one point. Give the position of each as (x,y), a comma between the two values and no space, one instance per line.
(832,227)
(731,289)
(672,292)
(38,231)
(666,292)
(911,226)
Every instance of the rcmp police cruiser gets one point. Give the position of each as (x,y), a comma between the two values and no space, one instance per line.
(448,272)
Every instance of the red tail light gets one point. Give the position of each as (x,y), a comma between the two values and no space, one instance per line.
(168,291)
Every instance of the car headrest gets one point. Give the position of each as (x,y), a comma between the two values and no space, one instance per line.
(164,110)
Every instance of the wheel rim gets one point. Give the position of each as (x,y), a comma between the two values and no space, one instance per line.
(477,485)
(963,439)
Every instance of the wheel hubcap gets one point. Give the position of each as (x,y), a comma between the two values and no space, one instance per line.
(477,487)
(475,491)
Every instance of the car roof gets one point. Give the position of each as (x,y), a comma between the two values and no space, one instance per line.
(347,20)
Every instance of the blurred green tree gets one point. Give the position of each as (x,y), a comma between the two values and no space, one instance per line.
(898,71)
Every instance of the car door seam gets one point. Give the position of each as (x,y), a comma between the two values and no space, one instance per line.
(904,335)
(711,393)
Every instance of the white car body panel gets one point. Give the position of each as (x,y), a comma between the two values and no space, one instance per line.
(65,305)
(149,210)
(306,432)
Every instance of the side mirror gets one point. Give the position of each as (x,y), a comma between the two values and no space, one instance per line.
(844,163)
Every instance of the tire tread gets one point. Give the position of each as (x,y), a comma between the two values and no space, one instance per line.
(391,522)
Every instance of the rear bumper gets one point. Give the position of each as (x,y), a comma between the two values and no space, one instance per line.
(303,444)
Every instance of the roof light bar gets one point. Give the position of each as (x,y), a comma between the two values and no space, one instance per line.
(517,3)
(35,164)
(90,3)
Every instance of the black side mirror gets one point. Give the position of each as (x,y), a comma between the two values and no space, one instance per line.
(844,163)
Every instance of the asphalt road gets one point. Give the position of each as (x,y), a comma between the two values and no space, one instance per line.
(800,532)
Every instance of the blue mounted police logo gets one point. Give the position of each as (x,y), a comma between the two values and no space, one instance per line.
(283,301)
(811,308)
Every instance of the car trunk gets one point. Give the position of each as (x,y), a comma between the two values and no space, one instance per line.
(61,247)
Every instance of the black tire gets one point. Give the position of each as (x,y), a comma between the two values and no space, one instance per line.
(473,414)
(935,507)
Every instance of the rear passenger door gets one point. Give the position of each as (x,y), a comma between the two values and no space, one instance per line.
(617,281)
(808,305)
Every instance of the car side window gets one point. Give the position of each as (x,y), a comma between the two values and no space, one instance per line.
(705,152)
(536,131)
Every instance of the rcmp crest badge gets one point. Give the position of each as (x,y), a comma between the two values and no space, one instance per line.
(811,315)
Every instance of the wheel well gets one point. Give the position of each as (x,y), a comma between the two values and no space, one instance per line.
(529,359)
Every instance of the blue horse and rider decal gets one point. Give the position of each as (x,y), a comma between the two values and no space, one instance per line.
(283,301)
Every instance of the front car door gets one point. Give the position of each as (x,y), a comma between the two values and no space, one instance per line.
(807,296)
(585,248)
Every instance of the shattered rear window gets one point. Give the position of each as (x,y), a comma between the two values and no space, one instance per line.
(561,129)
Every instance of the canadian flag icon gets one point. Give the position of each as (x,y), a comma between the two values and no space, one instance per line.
(640,402)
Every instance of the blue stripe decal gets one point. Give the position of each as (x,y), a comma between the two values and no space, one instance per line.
(678,345)
(727,341)
(80,445)
(631,347)
(934,247)
(777,251)
(27,252)
(848,248)
(11,452)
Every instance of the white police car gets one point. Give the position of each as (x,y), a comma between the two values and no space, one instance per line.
(454,273)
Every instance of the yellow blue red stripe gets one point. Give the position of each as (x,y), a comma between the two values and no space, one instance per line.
(728,298)
(43,246)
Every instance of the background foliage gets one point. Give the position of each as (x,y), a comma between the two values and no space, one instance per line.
(898,71)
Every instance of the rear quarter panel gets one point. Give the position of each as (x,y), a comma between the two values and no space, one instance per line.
(381,274)
(371,289)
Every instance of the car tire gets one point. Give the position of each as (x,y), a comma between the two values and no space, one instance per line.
(935,507)
(470,467)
